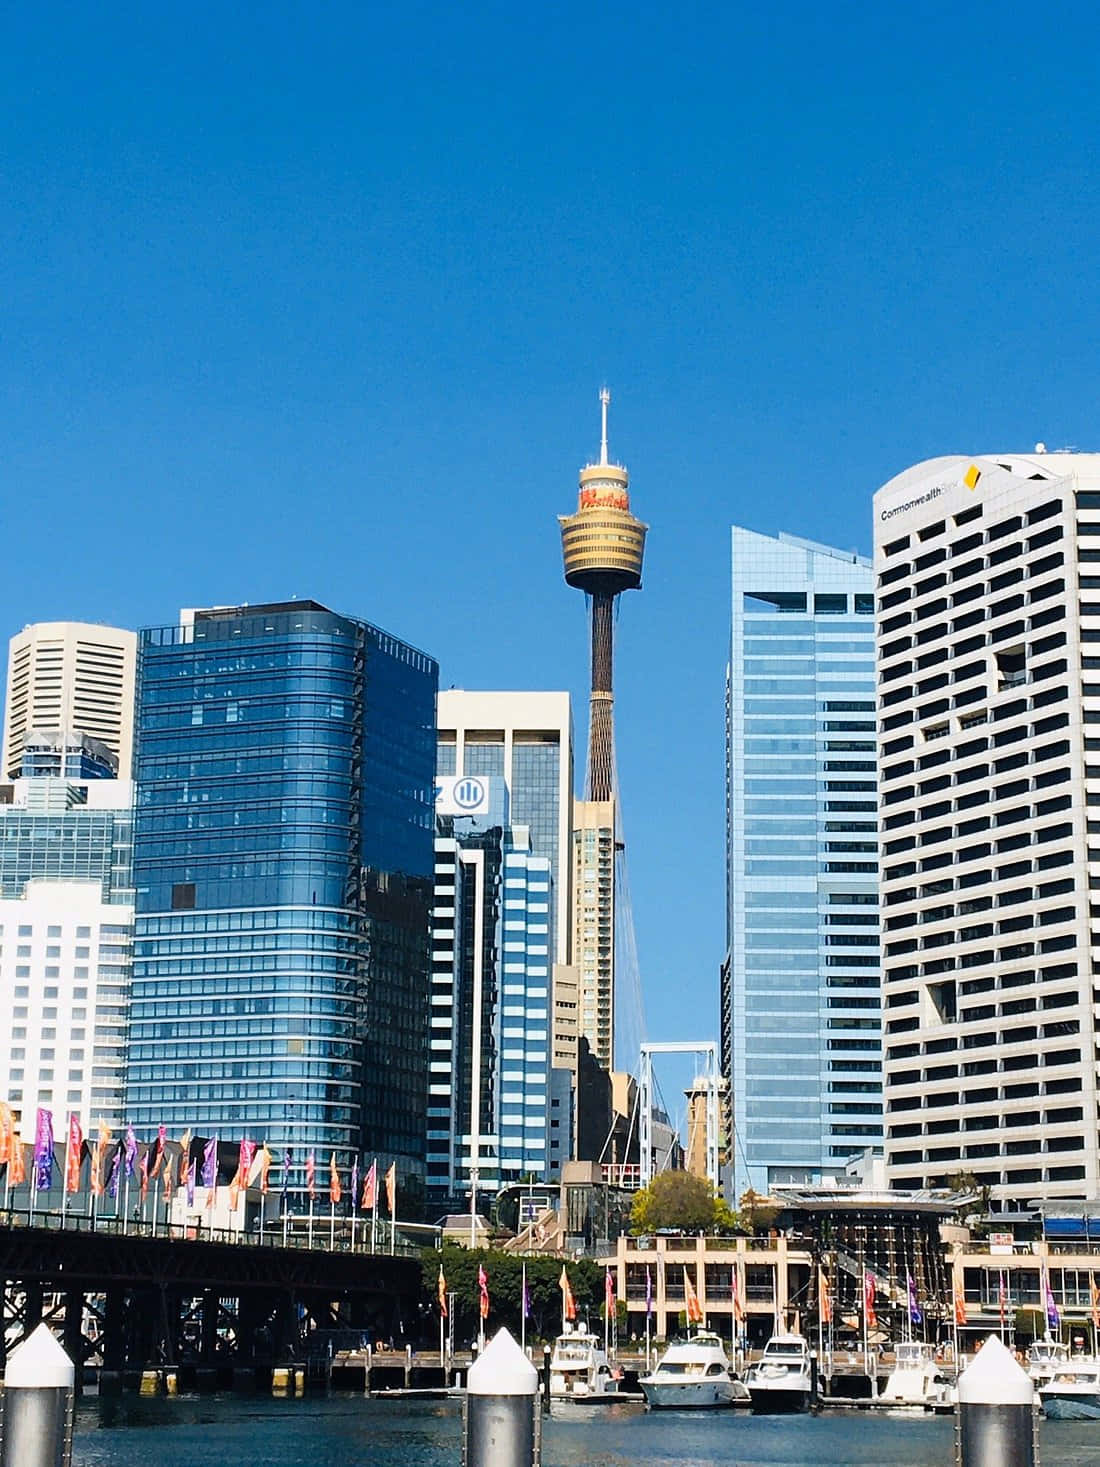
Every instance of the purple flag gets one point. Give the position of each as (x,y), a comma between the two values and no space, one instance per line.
(648,1292)
(131,1151)
(286,1172)
(1053,1318)
(526,1300)
(354,1182)
(43,1150)
(210,1162)
(915,1315)
(116,1167)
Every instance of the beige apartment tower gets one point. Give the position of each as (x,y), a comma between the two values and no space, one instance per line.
(988,666)
(72,676)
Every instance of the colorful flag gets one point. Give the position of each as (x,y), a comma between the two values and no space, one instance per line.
(17,1162)
(568,1303)
(691,1298)
(960,1305)
(166,1179)
(441,1294)
(116,1171)
(391,1189)
(73,1154)
(7,1132)
(287,1159)
(185,1155)
(158,1155)
(311,1176)
(824,1298)
(869,1315)
(265,1168)
(143,1172)
(210,1164)
(370,1187)
(241,1176)
(95,1170)
(609,1293)
(353,1189)
(1094,1300)
(526,1298)
(192,1167)
(130,1151)
(1053,1317)
(335,1190)
(649,1292)
(915,1314)
(483,1291)
(43,1150)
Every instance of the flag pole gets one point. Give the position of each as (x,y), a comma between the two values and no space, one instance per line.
(374,1208)
(523,1310)
(311,1221)
(331,1225)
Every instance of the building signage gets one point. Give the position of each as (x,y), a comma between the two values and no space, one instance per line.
(462,794)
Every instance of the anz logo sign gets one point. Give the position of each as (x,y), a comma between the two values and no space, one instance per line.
(463,794)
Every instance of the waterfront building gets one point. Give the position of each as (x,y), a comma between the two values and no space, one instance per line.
(500,941)
(66,928)
(603,545)
(70,675)
(988,631)
(283,872)
(800,985)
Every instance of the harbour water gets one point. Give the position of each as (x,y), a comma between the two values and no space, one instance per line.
(348,1431)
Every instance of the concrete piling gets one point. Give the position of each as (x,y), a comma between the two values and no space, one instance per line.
(996,1416)
(39,1392)
(501,1418)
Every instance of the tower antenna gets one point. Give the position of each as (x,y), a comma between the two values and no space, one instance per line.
(605,398)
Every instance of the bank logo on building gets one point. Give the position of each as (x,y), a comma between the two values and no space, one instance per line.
(463,794)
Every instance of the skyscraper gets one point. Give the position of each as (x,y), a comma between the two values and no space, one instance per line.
(75,677)
(801,1016)
(283,871)
(500,939)
(988,636)
(602,548)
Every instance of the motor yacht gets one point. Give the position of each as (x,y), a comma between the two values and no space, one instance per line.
(916,1379)
(781,1379)
(579,1367)
(694,1374)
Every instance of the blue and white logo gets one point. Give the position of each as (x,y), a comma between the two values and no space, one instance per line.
(470,793)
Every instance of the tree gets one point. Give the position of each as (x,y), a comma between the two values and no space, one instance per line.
(757,1213)
(675,1200)
(505,1283)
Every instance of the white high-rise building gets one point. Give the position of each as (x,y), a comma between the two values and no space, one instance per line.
(988,640)
(70,675)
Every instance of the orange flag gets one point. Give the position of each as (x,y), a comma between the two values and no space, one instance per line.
(1094,1297)
(17,1162)
(694,1308)
(960,1307)
(825,1298)
(391,1189)
(335,1190)
(7,1131)
(441,1291)
(72,1155)
(568,1303)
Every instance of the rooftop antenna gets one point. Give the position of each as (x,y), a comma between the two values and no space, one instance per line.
(605,398)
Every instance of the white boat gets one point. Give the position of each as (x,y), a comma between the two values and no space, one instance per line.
(1045,1358)
(693,1374)
(579,1367)
(916,1379)
(1073,1391)
(781,1380)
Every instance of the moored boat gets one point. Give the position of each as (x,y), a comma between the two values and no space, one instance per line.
(1045,1358)
(693,1374)
(1073,1392)
(781,1379)
(916,1379)
(580,1369)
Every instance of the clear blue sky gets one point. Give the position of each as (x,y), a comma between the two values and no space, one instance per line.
(317,302)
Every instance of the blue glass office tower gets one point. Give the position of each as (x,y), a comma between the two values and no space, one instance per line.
(283,873)
(801,1011)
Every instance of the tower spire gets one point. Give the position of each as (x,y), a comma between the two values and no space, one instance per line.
(605,398)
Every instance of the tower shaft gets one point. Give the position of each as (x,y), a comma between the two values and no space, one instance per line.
(599,777)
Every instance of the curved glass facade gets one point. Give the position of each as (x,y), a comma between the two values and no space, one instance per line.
(283,868)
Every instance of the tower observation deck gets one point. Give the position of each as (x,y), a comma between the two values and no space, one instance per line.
(602,547)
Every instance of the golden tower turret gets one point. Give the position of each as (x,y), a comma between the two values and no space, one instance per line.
(602,547)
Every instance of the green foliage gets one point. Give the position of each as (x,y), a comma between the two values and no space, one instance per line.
(505,1283)
(676,1200)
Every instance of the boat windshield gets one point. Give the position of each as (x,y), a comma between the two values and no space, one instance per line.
(567,1354)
